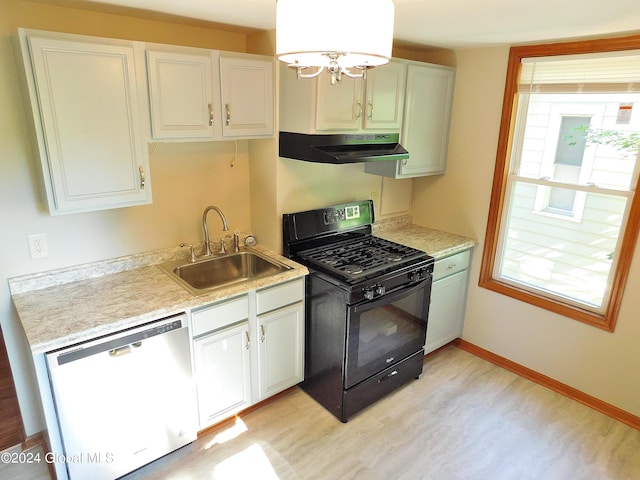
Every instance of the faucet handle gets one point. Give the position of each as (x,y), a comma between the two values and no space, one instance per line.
(250,241)
(223,249)
(236,241)
(193,250)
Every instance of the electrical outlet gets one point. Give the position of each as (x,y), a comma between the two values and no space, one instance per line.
(375,196)
(38,246)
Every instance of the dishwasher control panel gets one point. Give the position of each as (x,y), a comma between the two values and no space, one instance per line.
(115,343)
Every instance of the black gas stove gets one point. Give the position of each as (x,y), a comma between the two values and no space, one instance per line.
(337,242)
(361,257)
(366,310)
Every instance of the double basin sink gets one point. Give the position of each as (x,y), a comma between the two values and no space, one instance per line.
(210,273)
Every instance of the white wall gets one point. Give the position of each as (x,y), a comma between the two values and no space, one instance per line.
(185,178)
(596,362)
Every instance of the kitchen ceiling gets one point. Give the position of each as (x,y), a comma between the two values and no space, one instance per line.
(437,23)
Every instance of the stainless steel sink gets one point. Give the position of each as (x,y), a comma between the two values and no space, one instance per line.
(210,273)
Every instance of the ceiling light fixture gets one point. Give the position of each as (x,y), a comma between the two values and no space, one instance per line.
(342,36)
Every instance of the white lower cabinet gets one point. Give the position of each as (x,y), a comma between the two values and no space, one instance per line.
(247,348)
(448,299)
(281,349)
(223,373)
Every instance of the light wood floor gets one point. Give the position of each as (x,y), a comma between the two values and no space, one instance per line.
(463,419)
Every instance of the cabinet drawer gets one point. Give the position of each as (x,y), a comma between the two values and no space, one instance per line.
(280,295)
(450,265)
(220,315)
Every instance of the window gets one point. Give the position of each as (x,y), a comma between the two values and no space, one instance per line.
(567,165)
(563,218)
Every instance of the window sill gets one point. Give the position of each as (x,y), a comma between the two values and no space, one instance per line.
(604,322)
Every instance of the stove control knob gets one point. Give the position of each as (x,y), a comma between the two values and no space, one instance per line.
(417,275)
(380,290)
(368,293)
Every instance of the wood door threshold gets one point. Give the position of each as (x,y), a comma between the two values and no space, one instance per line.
(11,428)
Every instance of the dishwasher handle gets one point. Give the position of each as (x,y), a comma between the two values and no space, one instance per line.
(118,352)
(120,345)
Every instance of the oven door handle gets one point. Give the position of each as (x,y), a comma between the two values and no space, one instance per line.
(391,297)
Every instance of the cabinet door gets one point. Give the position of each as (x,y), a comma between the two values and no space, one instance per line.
(181,94)
(223,373)
(247,97)
(92,148)
(281,361)
(385,97)
(339,106)
(446,312)
(425,131)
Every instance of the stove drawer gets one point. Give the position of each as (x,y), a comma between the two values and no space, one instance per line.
(376,387)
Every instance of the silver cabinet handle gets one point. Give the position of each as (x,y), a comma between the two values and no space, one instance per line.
(359,114)
(246,334)
(142,180)
(370,115)
(262,333)
(228,114)
(210,115)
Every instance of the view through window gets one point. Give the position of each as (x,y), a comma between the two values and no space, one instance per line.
(556,235)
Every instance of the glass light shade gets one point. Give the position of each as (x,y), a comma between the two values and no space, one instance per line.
(359,33)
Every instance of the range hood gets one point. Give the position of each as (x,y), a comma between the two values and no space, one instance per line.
(342,148)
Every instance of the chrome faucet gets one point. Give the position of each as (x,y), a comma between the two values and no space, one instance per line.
(225,226)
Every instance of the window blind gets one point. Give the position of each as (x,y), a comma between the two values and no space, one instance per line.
(583,73)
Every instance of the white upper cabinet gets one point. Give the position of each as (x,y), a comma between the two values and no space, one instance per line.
(184,93)
(338,106)
(198,94)
(384,97)
(425,129)
(316,106)
(425,132)
(247,95)
(85,100)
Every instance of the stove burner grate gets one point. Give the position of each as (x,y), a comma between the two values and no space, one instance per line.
(353,269)
(360,256)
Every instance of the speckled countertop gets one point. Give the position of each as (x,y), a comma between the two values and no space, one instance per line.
(84,302)
(436,243)
(71,305)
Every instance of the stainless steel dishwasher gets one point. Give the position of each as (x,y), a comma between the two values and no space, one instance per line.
(124,400)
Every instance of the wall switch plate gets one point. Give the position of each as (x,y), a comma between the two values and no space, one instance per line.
(38,247)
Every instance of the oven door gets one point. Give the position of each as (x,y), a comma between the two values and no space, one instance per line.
(386,330)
